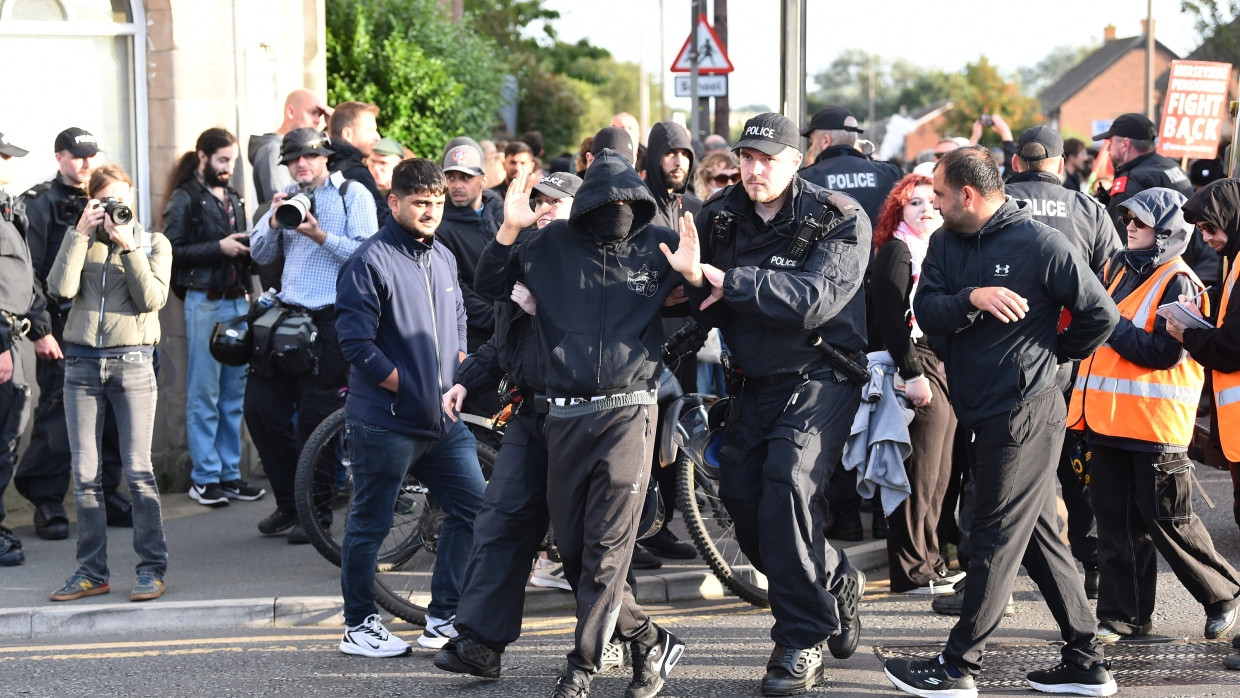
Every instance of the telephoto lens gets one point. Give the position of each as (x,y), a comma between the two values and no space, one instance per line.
(117,210)
(292,212)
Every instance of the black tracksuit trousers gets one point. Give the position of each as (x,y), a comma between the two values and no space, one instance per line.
(1144,502)
(781,445)
(598,467)
(1014,521)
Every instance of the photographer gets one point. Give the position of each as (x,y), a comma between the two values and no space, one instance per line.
(117,275)
(205,222)
(42,477)
(335,216)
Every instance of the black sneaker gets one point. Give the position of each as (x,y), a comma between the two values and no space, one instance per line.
(297,536)
(1069,678)
(928,677)
(644,560)
(666,544)
(209,495)
(467,655)
(792,671)
(847,592)
(575,683)
(845,525)
(242,490)
(652,664)
(11,553)
(51,522)
(280,521)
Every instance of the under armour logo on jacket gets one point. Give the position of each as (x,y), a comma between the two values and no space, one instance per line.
(1002,269)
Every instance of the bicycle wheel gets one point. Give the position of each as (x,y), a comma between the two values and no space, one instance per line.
(713,533)
(323,488)
(403,576)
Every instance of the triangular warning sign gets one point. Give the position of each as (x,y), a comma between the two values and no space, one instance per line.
(712,59)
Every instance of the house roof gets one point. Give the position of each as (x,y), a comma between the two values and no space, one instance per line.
(1090,68)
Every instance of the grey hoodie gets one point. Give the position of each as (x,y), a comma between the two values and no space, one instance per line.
(269,175)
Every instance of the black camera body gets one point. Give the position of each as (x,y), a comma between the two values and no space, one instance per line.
(117,210)
(293,211)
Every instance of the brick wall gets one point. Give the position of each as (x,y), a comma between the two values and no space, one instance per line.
(1120,89)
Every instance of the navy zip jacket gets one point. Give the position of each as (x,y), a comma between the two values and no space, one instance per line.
(398,305)
(599,302)
(993,366)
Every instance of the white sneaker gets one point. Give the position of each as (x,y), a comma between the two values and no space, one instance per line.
(550,578)
(437,633)
(371,639)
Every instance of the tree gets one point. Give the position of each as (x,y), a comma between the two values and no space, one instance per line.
(1216,25)
(1059,61)
(898,85)
(406,57)
(980,89)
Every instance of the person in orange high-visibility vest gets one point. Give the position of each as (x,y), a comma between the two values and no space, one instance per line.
(1136,400)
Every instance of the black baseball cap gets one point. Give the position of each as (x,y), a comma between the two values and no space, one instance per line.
(1132,125)
(618,140)
(304,141)
(769,133)
(832,119)
(78,141)
(7,149)
(1039,143)
(558,185)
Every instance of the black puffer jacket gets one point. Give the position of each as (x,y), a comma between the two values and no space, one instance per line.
(194,223)
(993,366)
(599,302)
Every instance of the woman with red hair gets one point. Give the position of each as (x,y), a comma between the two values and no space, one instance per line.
(901,235)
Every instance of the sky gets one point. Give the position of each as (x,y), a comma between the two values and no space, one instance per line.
(945,34)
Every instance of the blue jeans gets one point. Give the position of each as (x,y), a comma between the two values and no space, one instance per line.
(448,466)
(127,386)
(214,393)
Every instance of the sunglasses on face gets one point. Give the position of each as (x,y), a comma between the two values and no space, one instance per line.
(1127,217)
(723,179)
(1208,228)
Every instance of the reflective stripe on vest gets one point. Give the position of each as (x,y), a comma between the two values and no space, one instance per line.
(1115,397)
(1227,387)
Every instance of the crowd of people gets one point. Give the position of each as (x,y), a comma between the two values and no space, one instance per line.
(1036,331)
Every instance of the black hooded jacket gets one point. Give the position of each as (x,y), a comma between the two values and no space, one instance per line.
(772,302)
(465,232)
(599,301)
(993,366)
(844,168)
(1218,203)
(348,161)
(665,137)
(1072,213)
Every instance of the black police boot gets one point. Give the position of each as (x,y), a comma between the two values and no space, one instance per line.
(845,524)
(468,655)
(51,522)
(1092,578)
(645,560)
(847,591)
(666,544)
(10,548)
(575,683)
(880,525)
(118,508)
(791,671)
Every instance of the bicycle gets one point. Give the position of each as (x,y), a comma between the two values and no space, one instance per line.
(323,491)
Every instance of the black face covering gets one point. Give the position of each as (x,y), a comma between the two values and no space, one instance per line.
(610,222)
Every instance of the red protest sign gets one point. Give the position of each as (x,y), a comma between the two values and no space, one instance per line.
(1192,115)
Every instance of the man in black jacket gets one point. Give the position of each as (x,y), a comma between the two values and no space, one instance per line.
(355,132)
(781,262)
(205,222)
(841,167)
(600,282)
(52,208)
(992,288)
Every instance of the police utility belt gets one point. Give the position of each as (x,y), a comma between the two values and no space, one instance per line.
(578,406)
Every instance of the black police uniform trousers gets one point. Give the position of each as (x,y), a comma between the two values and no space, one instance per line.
(1014,521)
(508,530)
(274,402)
(781,445)
(14,413)
(44,474)
(597,471)
(1145,505)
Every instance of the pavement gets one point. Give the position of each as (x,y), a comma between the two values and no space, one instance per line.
(223,573)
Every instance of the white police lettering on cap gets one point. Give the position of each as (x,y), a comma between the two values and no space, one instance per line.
(551,179)
(760,131)
(852,180)
(85,138)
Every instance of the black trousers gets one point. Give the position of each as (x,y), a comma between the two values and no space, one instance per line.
(15,407)
(1144,503)
(1082,528)
(913,555)
(275,402)
(1014,517)
(43,476)
(781,445)
(597,472)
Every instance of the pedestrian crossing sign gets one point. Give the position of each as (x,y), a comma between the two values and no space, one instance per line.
(712,59)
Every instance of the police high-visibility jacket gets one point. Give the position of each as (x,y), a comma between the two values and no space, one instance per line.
(1227,387)
(1115,397)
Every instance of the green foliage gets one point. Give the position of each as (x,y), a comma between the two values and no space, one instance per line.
(1061,59)
(899,86)
(432,80)
(1216,25)
(980,89)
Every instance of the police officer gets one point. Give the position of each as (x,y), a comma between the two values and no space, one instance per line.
(54,207)
(841,167)
(16,294)
(782,261)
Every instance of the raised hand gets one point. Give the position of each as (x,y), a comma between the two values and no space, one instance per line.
(517,213)
(687,259)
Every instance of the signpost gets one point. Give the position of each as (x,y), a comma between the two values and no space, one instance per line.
(1193,111)
(708,86)
(702,54)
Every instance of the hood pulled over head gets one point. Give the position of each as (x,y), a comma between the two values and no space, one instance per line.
(611,179)
(665,137)
(1159,209)
(1218,203)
